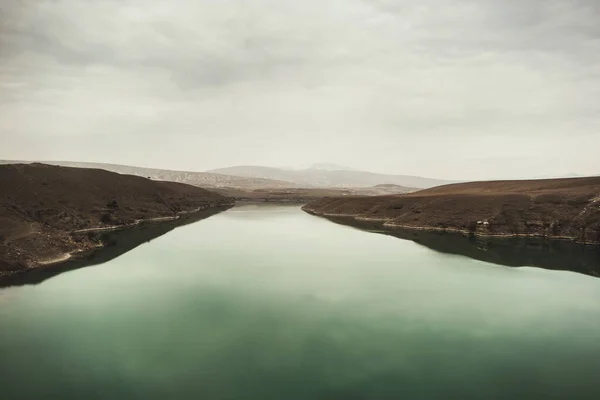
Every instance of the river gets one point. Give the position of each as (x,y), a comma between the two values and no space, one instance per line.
(272,303)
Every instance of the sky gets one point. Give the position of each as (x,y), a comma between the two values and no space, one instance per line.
(455,89)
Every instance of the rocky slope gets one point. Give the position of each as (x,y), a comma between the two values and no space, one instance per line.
(550,208)
(50,213)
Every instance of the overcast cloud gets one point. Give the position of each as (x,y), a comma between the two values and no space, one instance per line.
(464,89)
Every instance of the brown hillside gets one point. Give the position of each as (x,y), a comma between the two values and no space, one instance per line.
(566,186)
(553,208)
(40,205)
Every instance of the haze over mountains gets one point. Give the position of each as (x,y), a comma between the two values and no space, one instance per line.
(252,177)
(327,177)
(322,175)
(323,166)
(202,179)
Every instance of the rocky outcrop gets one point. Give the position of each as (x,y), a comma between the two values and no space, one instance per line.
(554,209)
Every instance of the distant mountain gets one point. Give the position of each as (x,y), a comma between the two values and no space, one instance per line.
(555,176)
(323,177)
(200,179)
(257,177)
(321,166)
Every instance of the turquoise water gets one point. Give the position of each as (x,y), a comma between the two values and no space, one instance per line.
(271,303)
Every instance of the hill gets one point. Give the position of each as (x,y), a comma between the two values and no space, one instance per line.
(200,179)
(241,188)
(325,177)
(551,208)
(41,206)
(117,242)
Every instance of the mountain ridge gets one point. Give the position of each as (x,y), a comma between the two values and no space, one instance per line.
(330,178)
(260,177)
(199,179)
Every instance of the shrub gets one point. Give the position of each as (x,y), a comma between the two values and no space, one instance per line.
(106,218)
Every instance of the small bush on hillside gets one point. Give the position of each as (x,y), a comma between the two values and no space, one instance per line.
(106,218)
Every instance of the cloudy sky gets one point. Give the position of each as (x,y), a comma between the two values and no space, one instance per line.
(463,89)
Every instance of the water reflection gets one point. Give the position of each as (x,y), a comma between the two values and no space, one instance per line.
(512,252)
(295,307)
(116,244)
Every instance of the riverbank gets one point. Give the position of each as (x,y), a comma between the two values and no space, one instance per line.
(564,209)
(538,252)
(109,244)
(93,242)
(50,215)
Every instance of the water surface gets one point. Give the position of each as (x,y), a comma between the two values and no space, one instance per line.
(271,303)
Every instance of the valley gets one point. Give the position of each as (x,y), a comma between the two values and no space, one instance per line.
(57,215)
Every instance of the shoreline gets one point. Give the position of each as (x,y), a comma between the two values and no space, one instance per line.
(388,226)
(146,220)
(81,253)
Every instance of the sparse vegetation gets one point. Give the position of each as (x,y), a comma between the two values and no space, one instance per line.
(106,219)
(38,219)
(561,208)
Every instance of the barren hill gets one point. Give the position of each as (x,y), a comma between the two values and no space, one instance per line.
(200,179)
(42,205)
(552,208)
